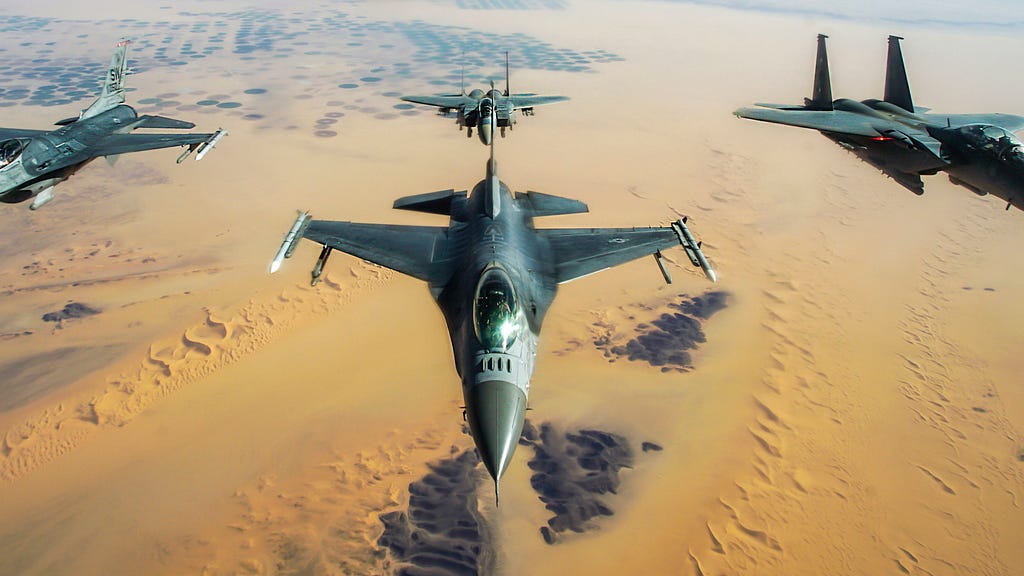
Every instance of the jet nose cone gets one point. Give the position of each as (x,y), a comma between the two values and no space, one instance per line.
(495,411)
(485,132)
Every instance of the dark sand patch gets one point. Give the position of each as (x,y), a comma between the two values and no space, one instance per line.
(574,472)
(666,341)
(69,312)
(442,532)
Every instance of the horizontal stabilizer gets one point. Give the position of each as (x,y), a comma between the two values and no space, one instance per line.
(431,202)
(771,106)
(163,123)
(548,205)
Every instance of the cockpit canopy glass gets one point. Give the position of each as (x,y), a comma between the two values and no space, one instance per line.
(10,150)
(495,311)
(993,139)
(486,105)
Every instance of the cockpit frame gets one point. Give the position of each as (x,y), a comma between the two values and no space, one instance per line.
(11,149)
(993,139)
(497,318)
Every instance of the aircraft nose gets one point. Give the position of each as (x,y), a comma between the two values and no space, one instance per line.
(495,411)
(484,132)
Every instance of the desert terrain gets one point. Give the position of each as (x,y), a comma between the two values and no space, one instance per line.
(846,400)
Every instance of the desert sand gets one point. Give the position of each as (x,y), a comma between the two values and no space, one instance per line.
(854,408)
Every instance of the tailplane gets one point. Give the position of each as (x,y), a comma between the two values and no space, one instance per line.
(821,90)
(897,88)
(113,88)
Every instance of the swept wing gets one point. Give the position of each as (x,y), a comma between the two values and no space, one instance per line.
(523,101)
(123,143)
(837,121)
(578,252)
(442,101)
(8,133)
(406,249)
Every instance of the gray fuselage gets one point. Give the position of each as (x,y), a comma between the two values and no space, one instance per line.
(495,260)
(47,159)
(981,157)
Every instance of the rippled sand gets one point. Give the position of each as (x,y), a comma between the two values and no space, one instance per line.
(855,409)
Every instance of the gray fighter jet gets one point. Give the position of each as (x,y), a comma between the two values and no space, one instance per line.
(33,162)
(977,151)
(494,276)
(473,110)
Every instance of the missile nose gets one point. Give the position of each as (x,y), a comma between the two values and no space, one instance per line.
(495,411)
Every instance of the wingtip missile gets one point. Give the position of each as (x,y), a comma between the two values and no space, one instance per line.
(692,248)
(291,239)
(208,145)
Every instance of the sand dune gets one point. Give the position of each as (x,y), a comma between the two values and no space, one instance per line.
(855,409)
(167,366)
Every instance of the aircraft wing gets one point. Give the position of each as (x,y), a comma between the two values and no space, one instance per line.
(8,133)
(1010,122)
(836,121)
(406,249)
(122,143)
(578,252)
(442,101)
(523,101)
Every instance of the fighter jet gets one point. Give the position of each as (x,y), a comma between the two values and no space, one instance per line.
(474,109)
(977,151)
(33,162)
(494,276)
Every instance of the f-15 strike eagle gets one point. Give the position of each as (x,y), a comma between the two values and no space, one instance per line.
(33,162)
(494,275)
(977,151)
(473,110)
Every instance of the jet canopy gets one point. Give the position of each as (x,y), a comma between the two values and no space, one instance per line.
(486,105)
(10,150)
(993,139)
(496,311)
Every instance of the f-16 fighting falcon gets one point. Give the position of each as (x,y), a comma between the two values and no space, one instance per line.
(494,276)
(473,110)
(977,151)
(33,162)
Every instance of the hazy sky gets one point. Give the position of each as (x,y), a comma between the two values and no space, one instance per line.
(989,13)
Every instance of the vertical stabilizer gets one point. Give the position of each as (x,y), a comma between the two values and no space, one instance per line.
(821,90)
(897,88)
(113,85)
(506,75)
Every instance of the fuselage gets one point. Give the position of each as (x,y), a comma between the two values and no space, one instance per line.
(480,116)
(494,303)
(981,157)
(42,161)
(986,160)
